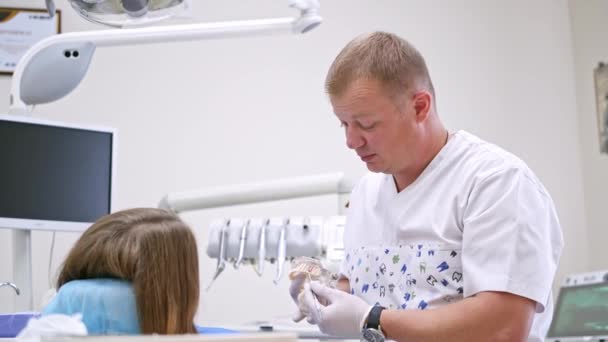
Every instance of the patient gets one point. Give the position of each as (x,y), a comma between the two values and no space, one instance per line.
(132,272)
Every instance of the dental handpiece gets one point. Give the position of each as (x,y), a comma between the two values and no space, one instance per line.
(262,248)
(221,260)
(281,251)
(243,240)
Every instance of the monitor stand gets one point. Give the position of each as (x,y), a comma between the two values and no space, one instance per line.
(22,269)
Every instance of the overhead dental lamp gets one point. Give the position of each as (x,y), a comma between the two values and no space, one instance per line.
(121,13)
(63,60)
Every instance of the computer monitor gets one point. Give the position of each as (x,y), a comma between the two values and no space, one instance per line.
(54,176)
(581,311)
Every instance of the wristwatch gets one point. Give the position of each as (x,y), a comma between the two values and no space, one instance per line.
(372,331)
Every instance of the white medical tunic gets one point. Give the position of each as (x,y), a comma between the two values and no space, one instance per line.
(476,219)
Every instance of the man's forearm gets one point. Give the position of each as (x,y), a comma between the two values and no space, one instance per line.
(488,316)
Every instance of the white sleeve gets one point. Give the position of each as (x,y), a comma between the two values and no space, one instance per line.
(512,238)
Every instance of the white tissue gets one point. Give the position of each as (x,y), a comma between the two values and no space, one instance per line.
(52,325)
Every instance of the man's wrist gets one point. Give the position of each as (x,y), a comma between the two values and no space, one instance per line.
(380,323)
(372,320)
(371,329)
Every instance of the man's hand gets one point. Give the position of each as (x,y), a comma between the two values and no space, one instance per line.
(295,288)
(343,315)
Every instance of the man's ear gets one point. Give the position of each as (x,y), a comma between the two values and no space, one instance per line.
(423,101)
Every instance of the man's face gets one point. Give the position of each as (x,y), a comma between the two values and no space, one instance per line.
(382,130)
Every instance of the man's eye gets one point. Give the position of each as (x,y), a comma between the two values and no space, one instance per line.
(342,124)
(368,126)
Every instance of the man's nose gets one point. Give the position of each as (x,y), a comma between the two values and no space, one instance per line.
(354,139)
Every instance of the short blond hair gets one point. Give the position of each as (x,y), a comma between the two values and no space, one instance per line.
(380,56)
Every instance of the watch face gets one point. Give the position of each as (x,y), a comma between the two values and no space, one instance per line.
(372,335)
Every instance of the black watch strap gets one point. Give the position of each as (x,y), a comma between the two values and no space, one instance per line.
(373,319)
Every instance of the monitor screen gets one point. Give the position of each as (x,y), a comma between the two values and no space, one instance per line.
(54,176)
(581,311)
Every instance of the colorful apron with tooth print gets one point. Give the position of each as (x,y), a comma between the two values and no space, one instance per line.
(409,276)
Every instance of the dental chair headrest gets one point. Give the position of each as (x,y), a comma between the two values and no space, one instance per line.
(107,306)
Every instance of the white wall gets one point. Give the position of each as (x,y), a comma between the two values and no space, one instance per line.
(589,32)
(219,112)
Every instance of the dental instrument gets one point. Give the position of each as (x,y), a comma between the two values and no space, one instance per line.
(221,260)
(281,251)
(262,248)
(243,240)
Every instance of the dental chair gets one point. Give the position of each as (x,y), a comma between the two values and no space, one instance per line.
(11,324)
(107,307)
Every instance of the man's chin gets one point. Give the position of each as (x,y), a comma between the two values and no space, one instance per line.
(372,167)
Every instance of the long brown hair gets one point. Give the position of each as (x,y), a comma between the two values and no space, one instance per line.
(153,249)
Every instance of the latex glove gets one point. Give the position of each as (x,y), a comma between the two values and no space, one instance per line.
(295,291)
(343,315)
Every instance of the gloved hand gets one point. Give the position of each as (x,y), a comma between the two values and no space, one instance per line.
(295,288)
(343,315)
(305,269)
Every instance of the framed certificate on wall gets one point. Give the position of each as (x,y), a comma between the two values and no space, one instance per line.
(20,28)
(600,76)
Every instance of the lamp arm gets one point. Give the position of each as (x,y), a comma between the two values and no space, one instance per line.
(63,60)
(289,188)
